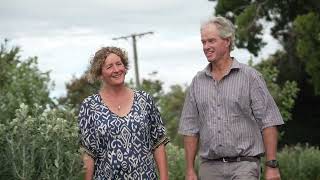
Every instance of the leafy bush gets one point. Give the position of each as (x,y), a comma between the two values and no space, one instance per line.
(42,146)
(21,81)
(176,162)
(299,163)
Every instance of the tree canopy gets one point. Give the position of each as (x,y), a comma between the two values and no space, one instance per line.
(295,24)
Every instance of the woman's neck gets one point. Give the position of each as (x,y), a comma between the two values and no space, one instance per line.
(114,90)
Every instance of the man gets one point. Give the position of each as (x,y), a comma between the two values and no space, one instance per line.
(229,113)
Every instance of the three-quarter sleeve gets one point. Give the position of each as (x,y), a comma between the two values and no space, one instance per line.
(87,130)
(263,105)
(157,128)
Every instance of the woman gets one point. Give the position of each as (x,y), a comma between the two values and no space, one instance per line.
(121,130)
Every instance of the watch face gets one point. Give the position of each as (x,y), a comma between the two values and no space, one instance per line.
(272,163)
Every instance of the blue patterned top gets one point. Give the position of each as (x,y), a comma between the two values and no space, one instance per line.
(121,146)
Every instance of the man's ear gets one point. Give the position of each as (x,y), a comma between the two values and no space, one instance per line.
(228,40)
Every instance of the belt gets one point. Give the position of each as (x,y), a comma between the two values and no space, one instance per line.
(238,159)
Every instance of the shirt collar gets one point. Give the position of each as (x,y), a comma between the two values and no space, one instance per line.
(235,65)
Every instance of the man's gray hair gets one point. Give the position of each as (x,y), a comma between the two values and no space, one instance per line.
(225,27)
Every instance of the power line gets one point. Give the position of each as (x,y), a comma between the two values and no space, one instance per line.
(135,54)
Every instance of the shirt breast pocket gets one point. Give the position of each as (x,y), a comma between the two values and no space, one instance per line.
(238,103)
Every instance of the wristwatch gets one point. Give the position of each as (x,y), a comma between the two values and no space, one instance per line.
(272,163)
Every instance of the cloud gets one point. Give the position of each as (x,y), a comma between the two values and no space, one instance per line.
(106,16)
(65,35)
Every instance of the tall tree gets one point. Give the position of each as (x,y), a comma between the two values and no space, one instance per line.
(307,29)
(251,18)
(295,25)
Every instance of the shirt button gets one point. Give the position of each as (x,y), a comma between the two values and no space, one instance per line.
(219,118)
(219,105)
(219,131)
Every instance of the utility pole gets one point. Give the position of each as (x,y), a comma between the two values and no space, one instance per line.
(135,53)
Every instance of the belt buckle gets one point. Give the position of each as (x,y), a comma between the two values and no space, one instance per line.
(224,160)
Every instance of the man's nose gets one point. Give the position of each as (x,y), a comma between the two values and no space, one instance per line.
(205,45)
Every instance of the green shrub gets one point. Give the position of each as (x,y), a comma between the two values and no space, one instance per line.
(176,162)
(42,146)
(299,163)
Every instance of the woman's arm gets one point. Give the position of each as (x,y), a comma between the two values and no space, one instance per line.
(161,160)
(88,166)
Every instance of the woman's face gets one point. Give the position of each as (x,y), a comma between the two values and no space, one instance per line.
(113,71)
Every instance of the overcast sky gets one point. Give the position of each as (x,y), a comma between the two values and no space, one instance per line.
(65,34)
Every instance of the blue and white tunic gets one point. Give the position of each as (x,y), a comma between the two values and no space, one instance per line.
(121,146)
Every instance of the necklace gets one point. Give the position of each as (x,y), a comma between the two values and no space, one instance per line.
(119,107)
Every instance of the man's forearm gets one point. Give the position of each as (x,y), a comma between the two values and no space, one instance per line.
(270,140)
(191,148)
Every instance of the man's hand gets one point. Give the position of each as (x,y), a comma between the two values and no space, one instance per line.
(191,175)
(272,173)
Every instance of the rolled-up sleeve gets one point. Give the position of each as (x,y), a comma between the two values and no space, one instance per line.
(263,105)
(87,132)
(189,121)
(157,128)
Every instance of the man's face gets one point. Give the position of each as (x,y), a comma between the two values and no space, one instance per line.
(214,47)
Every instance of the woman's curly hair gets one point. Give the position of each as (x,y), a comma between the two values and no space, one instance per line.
(96,63)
